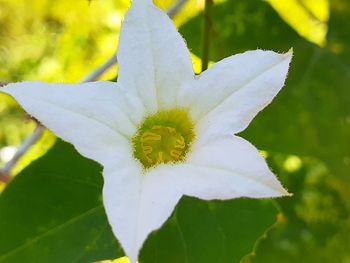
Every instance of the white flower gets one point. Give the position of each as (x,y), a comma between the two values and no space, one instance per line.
(160,132)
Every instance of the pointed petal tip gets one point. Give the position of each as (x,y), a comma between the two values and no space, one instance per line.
(17,88)
(7,89)
(287,194)
(133,256)
(283,56)
(132,259)
(289,54)
(279,190)
(283,193)
(3,90)
(277,194)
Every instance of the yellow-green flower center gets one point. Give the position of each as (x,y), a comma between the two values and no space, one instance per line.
(164,137)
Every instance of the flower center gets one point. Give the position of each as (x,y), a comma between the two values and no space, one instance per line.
(164,137)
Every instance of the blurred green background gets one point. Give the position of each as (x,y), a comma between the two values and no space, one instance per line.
(304,133)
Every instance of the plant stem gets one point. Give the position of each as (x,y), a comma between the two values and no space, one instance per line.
(23,148)
(206,33)
(175,8)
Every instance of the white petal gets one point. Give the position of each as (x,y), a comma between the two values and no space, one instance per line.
(94,117)
(229,95)
(121,194)
(136,204)
(153,58)
(229,167)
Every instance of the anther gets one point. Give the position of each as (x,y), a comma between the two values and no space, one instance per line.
(163,138)
(147,149)
(180,143)
(175,154)
(150,136)
(171,130)
(160,157)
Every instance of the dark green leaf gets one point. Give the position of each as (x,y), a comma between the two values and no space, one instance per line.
(210,232)
(52,212)
(310,116)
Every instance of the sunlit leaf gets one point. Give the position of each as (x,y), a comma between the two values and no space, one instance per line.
(308,17)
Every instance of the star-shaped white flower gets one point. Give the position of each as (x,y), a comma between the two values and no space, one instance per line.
(160,132)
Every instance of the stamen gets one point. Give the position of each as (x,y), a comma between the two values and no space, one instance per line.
(171,130)
(160,157)
(150,136)
(147,149)
(180,143)
(156,143)
(175,153)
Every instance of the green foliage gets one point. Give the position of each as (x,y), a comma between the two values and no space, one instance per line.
(209,232)
(52,212)
(308,17)
(308,119)
(316,221)
(55,204)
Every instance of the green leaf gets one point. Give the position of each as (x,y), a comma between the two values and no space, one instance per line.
(308,17)
(310,116)
(210,232)
(238,26)
(52,212)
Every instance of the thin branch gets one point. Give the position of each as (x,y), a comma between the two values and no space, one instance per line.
(23,148)
(4,178)
(207,26)
(175,8)
(101,69)
(38,131)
